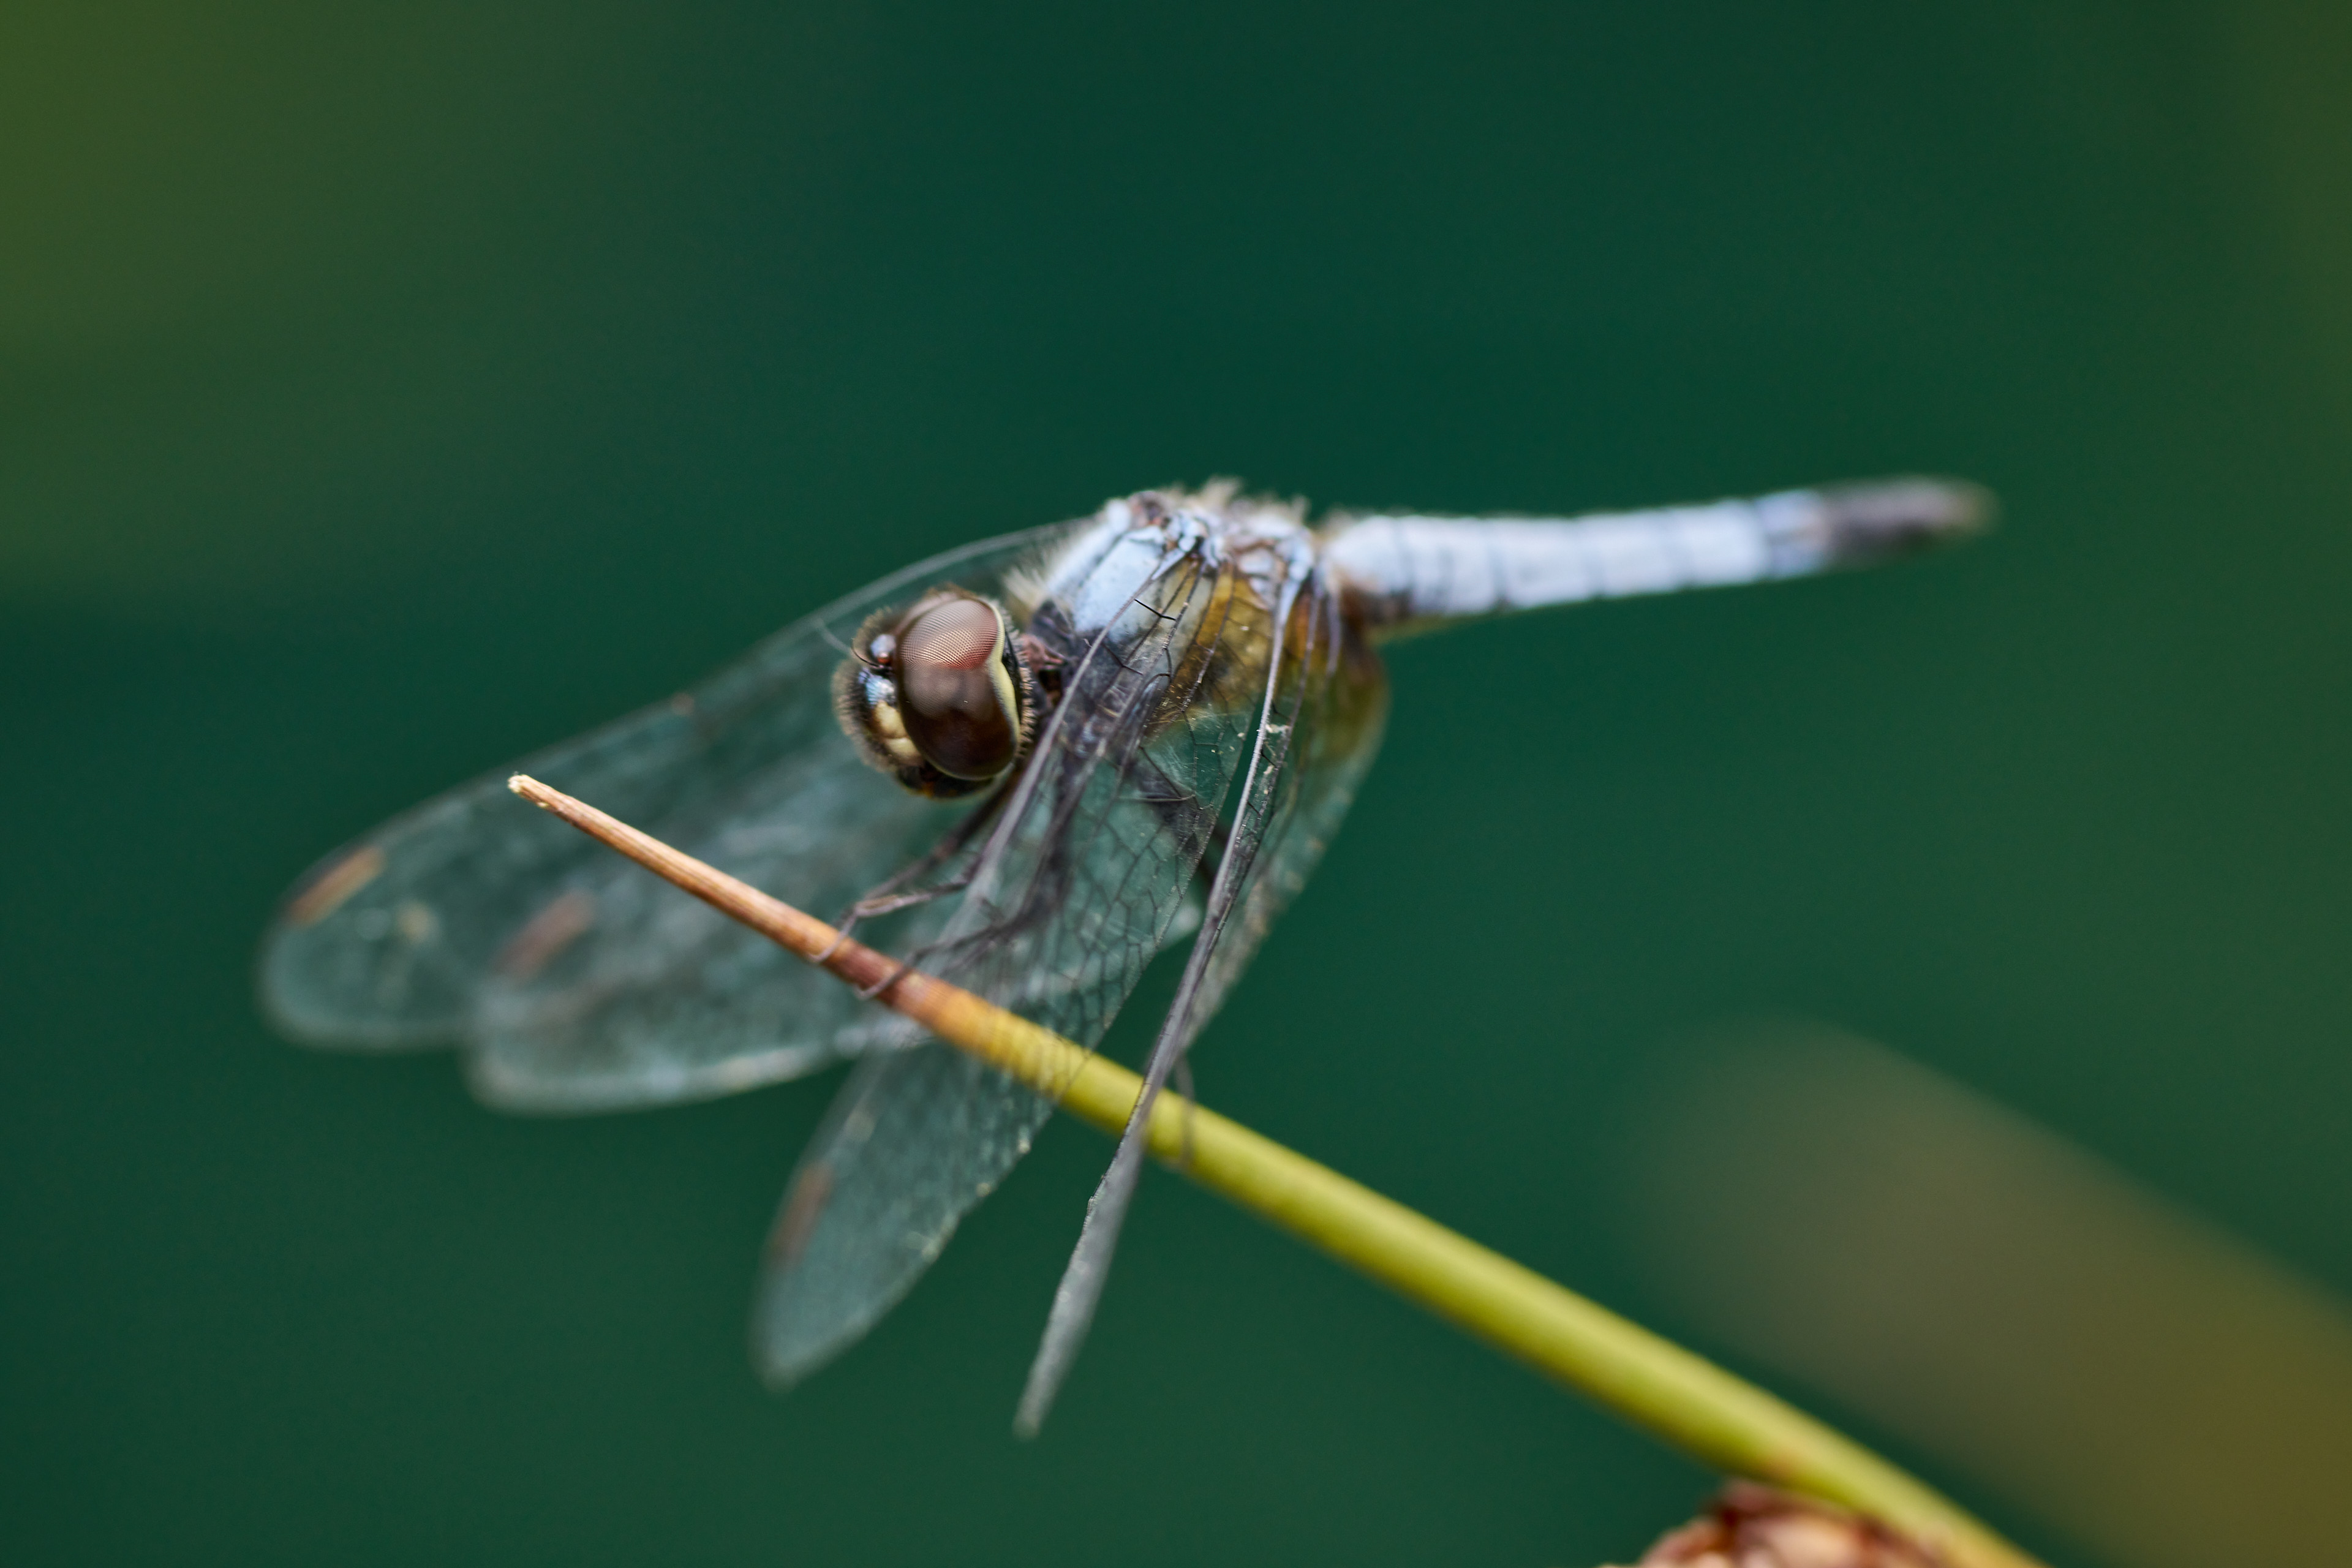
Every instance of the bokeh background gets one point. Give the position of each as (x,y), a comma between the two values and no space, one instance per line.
(386,392)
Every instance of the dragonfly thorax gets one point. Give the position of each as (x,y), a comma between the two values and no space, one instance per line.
(938,695)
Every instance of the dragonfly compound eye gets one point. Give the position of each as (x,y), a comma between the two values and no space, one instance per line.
(938,697)
(957,697)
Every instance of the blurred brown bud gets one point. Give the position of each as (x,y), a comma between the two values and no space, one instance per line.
(1754,1527)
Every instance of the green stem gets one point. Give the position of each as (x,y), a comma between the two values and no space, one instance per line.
(1684,1399)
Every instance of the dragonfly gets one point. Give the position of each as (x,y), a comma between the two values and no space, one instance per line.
(1037,763)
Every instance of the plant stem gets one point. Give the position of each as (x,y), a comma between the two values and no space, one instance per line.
(1687,1400)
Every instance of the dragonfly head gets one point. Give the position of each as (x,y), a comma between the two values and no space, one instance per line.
(938,695)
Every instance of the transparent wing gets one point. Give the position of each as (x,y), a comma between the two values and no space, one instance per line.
(1075,889)
(1341,708)
(575,981)
(1321,709)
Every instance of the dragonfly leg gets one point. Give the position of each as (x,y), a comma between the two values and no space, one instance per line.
(868,992)
(886,899)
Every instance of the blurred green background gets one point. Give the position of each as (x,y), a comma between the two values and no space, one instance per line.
(386,392)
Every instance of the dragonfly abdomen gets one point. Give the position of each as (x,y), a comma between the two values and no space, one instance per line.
(1408,572)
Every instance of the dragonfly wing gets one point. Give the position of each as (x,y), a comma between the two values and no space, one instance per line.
(1080,880)
(917,1137)
(574,982)
(1342,709)
(1325,696)
(661,997)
